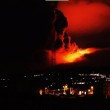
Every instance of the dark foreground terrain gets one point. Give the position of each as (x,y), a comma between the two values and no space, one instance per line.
(34,102)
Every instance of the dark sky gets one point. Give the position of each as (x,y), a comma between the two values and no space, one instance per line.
(24,27)
(24,30)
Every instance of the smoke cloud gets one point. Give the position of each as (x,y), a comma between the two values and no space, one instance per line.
(86,16)
(64,51)
(82,17)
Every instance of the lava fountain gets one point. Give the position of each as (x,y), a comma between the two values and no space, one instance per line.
(71,55)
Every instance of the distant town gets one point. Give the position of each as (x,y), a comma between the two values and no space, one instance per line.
(60,84)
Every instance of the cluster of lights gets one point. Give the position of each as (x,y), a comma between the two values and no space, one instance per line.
(107,79)
(80,82)
(97,74)
(65,90)
(2,79)
(35,75)
(82,93)
(93,74)
(81,74)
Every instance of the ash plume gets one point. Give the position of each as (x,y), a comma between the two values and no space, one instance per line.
(62,50)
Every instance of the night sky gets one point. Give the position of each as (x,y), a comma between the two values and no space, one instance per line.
(25,28)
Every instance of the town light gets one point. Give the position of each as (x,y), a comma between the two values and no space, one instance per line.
(41,92)
(46,90)
(85,92)
(92,87)
(79,93)
(65,87)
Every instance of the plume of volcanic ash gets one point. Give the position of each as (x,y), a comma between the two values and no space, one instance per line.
(63,50)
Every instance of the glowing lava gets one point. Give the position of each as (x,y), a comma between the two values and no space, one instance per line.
(71,55)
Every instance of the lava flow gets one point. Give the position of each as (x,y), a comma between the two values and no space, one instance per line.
(62,56)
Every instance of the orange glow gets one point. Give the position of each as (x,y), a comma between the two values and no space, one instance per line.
(71,55)
(84,17)
(92,87)
(41,92)
(65,87)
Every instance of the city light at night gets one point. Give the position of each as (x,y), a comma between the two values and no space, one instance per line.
(55,55)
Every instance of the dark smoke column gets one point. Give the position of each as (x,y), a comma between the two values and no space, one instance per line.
(59,25)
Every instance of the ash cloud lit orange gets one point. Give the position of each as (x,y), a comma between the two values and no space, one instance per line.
(84,17)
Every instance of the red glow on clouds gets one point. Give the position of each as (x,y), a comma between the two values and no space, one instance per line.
(85,18)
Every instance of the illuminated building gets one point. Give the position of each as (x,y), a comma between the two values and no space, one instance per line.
(91,90)
(65,88)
